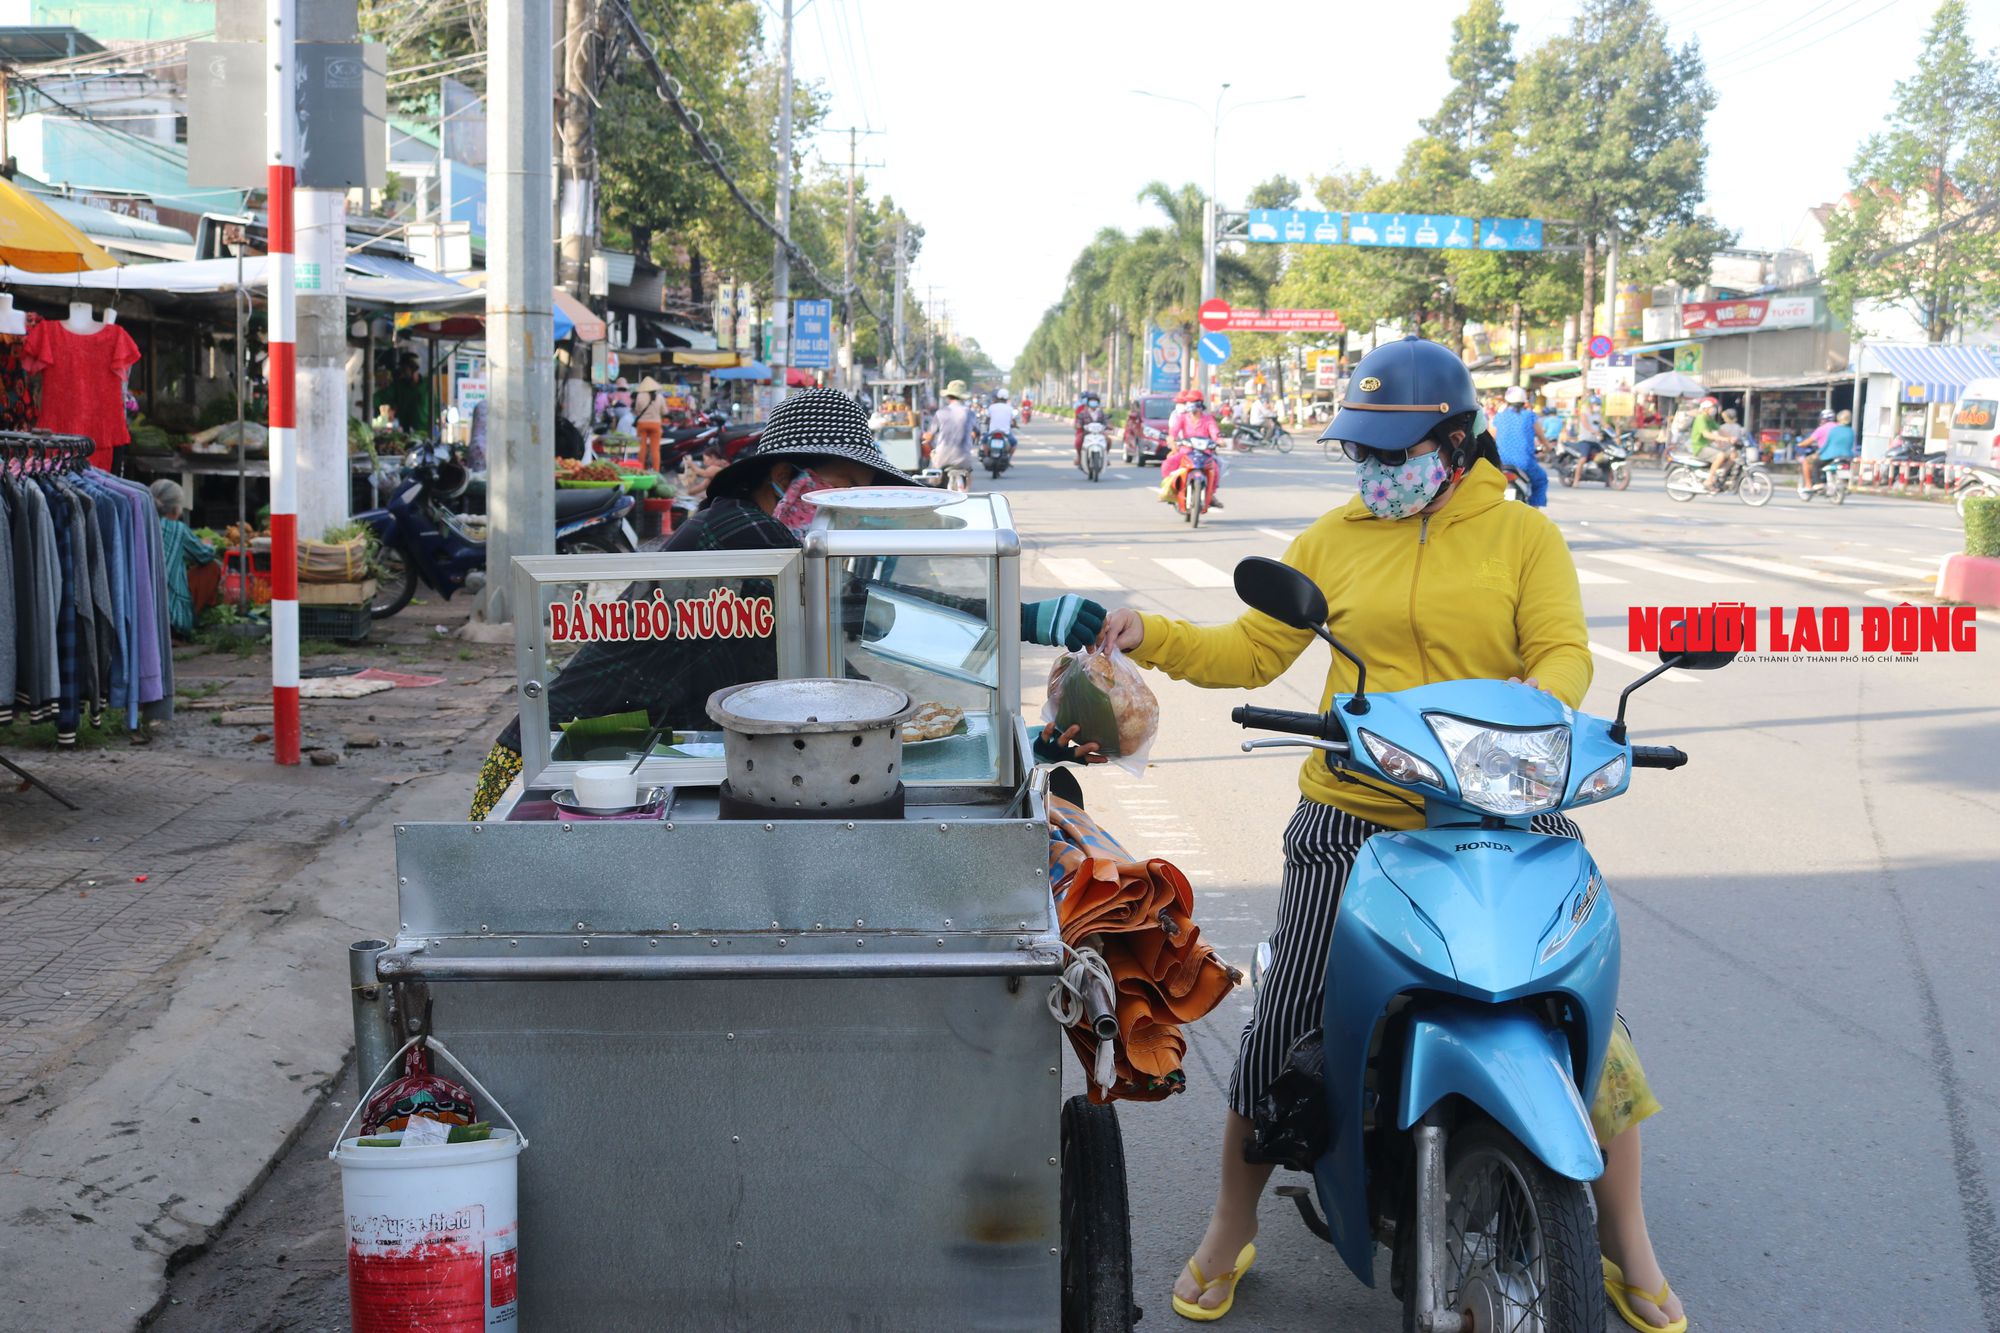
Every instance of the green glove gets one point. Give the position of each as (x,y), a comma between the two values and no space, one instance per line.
(1068,621)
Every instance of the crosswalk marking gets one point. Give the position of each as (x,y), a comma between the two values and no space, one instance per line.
(1907,571)
(1281,536)
(1196,573)
(1586,576)
(1075,572)
(1636,662)
(1787,570)
(1653,565)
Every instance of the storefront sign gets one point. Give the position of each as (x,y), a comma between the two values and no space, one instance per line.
(1326,375)
(1707,319)
(1611,374)
(721,614)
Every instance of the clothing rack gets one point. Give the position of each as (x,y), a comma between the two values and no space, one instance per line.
(27,453)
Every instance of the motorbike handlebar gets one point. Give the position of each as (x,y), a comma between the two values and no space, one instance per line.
(1658,756)
(1277,719)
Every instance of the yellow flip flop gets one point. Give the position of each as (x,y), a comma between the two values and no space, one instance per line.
(1202,1314)
(1620,1291)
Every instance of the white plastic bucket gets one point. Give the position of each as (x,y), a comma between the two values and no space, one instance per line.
(432,1232)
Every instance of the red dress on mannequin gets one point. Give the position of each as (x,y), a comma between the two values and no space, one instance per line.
(83,382)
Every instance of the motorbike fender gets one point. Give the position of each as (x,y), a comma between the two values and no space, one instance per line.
(1511,1065)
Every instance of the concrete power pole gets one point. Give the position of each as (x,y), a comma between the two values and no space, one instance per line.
(850,375)
(902,276)
(520,422)
(321,225)
(781,263)
(580,45)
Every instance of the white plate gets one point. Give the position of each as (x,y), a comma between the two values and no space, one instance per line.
(975,726)
(879,499)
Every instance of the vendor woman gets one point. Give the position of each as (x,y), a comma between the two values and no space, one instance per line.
(816,440)
(1429,577)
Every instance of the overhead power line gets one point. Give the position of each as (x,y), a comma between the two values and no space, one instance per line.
(668,89)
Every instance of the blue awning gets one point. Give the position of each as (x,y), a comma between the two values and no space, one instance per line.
(756,370)
(1930,372)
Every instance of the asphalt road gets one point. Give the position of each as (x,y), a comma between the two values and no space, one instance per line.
(1808,964)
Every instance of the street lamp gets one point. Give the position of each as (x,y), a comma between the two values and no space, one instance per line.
(1208,228)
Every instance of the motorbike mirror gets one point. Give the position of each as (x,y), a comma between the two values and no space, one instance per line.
(1688,660)
(1280,592)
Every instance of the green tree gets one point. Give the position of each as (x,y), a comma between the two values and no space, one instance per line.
(1474,113)
(1920,229)
(1607,122)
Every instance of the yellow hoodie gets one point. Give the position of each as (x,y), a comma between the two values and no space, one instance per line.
(1482,589)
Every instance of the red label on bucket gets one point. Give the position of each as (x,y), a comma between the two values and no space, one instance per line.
(436,1286)
(506,1267)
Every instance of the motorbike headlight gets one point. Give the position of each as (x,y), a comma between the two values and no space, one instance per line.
(1601,783)
(1505,770)
(1397,762)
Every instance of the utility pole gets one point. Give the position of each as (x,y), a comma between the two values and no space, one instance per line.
(325,481)
(281,143)
(902,281)
(580,45)
(520,422)
(930,342)
(781,262)
(1611,287)
(849,261)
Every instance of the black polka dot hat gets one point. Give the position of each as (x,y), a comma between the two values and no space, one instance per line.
(813,423)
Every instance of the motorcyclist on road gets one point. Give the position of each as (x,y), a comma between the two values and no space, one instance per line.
(1088,411)
(950,438)
(1587,432)
(1194,423)
(1516,431)
(1702,442)
(1497,599)
(1000,418)
(1723,442)
(1835,443)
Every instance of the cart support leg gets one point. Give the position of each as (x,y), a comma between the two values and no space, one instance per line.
(374,1038)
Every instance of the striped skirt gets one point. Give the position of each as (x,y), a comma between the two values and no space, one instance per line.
(1321,843)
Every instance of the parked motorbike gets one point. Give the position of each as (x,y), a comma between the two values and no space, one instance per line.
(1470,992)
(996,451)
(1095,451)
(1191,495)
(1687,477)
(1612,466)
(418,540)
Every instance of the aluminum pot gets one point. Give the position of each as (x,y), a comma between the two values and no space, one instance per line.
(814,744)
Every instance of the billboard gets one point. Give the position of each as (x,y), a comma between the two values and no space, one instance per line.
(812,335)
(1707,319)
(1166,355)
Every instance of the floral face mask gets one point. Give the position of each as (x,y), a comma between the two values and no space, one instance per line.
(792,510)
(1397,490)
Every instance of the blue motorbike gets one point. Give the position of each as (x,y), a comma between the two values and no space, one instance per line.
(1470,991)
(419,540)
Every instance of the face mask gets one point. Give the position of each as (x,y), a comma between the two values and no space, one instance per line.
(1397,490)
(793,511)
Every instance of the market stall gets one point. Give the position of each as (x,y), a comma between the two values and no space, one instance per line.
(810,951)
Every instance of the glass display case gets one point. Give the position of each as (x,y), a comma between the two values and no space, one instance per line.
(609,647)
(929,601)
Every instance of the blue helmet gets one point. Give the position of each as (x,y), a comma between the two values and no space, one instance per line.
(1401,392)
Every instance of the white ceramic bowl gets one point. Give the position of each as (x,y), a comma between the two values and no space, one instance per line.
(605,786)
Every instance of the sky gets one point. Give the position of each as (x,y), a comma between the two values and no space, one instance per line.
(1012,132)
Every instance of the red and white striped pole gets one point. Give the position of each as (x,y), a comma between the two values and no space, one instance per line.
(281,139)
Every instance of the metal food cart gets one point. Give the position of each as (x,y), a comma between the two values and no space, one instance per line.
(780,1073)
(898,423)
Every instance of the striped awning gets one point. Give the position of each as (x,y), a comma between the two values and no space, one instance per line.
(1929,372)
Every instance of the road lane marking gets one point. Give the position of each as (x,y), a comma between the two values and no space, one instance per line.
(1636,662)
(1783,569)
(1909,571)
(1195,573)
(1286,537)
(1652,565)
(1584,575)
(1075,572)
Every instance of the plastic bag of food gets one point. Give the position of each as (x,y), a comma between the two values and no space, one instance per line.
(1099,692)
(418,1092)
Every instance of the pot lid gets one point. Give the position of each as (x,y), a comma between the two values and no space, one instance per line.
(782,707)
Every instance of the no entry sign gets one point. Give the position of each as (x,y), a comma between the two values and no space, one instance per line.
(1214,314)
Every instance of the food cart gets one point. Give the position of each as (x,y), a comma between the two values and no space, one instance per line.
(782,1068)
(898,419)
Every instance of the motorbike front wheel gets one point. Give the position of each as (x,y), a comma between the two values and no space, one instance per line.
(1332,451)
(1972,492)
(1283,441)
(1520,1249)
(1197,498)
(1096,466)
(395,581)
(1682,484)
(1621,476)
(1755,488)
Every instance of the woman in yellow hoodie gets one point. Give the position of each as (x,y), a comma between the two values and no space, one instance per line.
(1430,576)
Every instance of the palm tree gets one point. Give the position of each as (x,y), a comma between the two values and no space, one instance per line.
(1161,270)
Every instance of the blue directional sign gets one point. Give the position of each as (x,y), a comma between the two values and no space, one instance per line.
(1213,348)
(812,335)
(1292,226)
(1410,231)
(1510,233)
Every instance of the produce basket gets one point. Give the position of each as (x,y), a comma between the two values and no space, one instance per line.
(641,481)
(566,484)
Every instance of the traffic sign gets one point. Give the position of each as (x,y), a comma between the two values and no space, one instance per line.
(1291,226)
(1600,346)
(1214,313)
(1274,321)
(1213,348)
(1410,231)
(1510,233)
(812,334)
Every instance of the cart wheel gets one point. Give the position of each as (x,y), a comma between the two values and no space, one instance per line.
(1096,1229)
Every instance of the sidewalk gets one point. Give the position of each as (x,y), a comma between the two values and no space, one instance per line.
(172,956)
